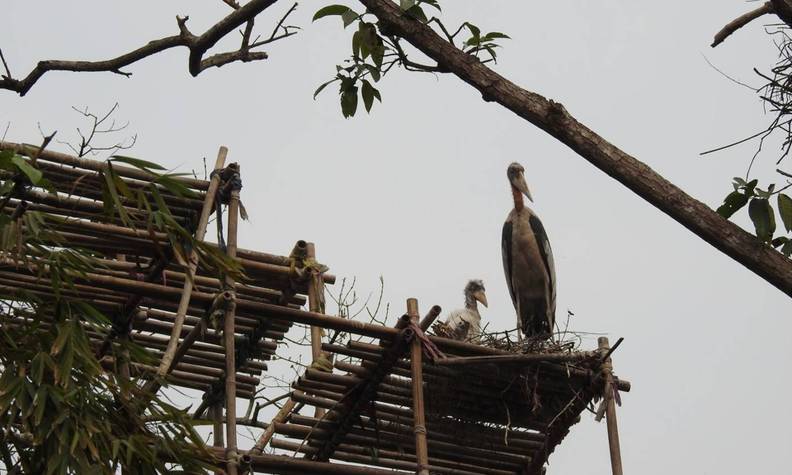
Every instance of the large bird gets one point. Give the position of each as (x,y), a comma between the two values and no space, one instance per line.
(465,323)
(528,262)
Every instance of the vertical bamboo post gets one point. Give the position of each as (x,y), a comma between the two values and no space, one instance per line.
(229,330)
(315,304)
(419,418)
(610,409)
(216,412)
(200,232)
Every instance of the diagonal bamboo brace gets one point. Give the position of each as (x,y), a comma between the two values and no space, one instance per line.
(167,359)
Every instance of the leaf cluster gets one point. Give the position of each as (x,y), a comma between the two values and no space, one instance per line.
(375,52)
(761,211)
(60,410)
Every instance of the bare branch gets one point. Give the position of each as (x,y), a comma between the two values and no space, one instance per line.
(198,46)
(741,21)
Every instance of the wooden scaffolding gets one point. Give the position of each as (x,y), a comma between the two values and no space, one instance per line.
(405,402)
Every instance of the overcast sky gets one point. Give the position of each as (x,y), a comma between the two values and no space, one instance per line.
(417,192)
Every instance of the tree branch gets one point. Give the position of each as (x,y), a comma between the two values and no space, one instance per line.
(782,8)
(553,118)
(198,46)
(740,22)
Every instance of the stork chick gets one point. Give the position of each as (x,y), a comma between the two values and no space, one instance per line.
(465,323)
(528,262)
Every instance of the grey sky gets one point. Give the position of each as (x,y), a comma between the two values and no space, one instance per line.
(417,192)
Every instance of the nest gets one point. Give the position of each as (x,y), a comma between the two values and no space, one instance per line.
(508,340)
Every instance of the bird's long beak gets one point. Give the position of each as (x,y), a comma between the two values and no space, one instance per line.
(481,297)
(522,186)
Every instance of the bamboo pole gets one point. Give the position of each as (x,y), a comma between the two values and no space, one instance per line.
(280,417)
(229,331)
(421,448)
(610,409)
(217,430)
(94,165)
(167,359)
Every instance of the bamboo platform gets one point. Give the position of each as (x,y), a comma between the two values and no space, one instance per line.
(406,403)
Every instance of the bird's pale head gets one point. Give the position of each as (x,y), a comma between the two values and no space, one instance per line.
(475,289)
(516,174)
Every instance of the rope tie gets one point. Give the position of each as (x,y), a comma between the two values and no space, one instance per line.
(229,181)
(430,350)
(420,430)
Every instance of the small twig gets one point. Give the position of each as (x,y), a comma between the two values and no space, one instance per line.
(5,65)
(612,349)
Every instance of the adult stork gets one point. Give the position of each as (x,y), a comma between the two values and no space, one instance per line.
(528,262)
(465,323)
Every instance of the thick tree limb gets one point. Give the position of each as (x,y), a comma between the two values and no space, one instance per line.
(782,8)
(740,22)
(198,46)
(551,117)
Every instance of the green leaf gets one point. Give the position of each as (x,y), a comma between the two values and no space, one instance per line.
(406,4)
(356,51)
(330,10)
(322,86)
(34,174)
(136,162)
(174,186)
(761,214)
(349,101)
(367,91)
(417,13)
(6,187)
(494,35)
(5,160)
(733,202)
(348,17)
(785,210)
(787,249)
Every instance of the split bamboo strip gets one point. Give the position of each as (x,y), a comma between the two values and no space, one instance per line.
(193,264)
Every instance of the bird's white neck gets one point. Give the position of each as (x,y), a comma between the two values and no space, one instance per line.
(519,204)
(471,303)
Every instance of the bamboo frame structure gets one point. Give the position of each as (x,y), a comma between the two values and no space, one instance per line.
(403,401)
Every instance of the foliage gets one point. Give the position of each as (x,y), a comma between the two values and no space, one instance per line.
(765,204)
(60,412)
(375,52)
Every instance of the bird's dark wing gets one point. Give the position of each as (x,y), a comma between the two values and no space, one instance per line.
(543,243)
(506,250)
